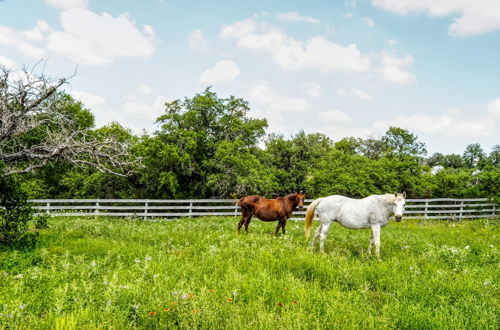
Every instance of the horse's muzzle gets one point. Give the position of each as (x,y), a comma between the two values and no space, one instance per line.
(300,207)
(398,218)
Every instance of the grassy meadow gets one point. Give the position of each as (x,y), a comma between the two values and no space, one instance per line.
(198,273)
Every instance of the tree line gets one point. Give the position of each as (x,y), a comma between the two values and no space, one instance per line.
(206,146)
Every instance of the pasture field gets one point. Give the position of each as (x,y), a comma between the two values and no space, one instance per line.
(198,273)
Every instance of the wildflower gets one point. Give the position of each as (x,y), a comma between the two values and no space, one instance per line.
(211,291)
(155,275)
(467,247)
(152,313)
(294,302)
(136,306)
(22,306)
(173,303)
(280,304)
(166,309)
(148,258)
(18,276)
(137,261)
(174,293)
(93,263)
(194,310)
(184,296)
(230,299)
(486,283)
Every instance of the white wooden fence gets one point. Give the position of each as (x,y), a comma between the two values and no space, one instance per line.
(440,208)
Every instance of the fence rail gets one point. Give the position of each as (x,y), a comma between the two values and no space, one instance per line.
(439,208)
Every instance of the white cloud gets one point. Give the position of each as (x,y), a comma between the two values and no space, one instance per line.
(148,29)
(94,39)
(392,42)
(493,107)
(145,110)
(368,21)
(197,41)
(17,41)
(293,16)
(353,91)
(443,124)
(39,32)
(474,17)
(88,99)
(144,89)
(392,68)
(66,4)
(222,72)
(266,96)
(335,116)
(7,63)
(313,89)
(317,53)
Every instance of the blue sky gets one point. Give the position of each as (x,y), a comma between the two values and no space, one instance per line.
(343,68)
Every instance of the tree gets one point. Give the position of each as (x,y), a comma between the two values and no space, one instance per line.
(192,149)
(294,159)
(474,155)
(36,128)
(402,142)
(494,156)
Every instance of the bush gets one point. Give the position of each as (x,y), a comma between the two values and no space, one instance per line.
(15,215)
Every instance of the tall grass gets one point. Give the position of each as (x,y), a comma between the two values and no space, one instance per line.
(198,273)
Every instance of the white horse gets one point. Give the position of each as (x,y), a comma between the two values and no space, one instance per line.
(370,212)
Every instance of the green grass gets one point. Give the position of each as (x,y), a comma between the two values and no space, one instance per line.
(103,273)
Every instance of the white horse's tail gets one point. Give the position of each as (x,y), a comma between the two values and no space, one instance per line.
(310,216)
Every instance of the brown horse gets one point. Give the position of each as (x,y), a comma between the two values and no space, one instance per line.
(265,209)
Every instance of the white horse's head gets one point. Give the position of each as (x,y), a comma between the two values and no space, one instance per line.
(399,205)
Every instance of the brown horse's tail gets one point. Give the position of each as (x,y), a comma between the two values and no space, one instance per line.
(241,204)
(310,216)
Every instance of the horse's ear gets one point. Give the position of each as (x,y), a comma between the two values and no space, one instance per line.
(396,194)
(404,194)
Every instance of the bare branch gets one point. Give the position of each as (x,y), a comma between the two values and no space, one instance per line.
(35,129)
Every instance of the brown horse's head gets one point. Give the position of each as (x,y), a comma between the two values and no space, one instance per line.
(299,200)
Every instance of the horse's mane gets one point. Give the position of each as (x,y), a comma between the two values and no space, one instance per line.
(390,198)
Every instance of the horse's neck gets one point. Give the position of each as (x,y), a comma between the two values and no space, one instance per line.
(385,204)
(289,202)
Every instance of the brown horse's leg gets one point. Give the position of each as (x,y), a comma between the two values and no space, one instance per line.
(278,226)
(283,225)
(247,223)
(245,217)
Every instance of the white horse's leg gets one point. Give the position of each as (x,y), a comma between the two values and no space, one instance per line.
(371,244)
(325,227)
(316,235)
(376,239)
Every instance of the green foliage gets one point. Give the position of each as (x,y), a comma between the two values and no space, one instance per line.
(402,142)
(112,273)
(206,147)
(15,215)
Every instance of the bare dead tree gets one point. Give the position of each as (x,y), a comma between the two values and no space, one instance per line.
(29,106)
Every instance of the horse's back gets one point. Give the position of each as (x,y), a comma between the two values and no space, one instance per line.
(349,212)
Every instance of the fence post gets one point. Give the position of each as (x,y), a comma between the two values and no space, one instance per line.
(236,210)
(48,205)
(190,209)
(426,207)
(461,209)
(494,209)
(146,204)
(97,208)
